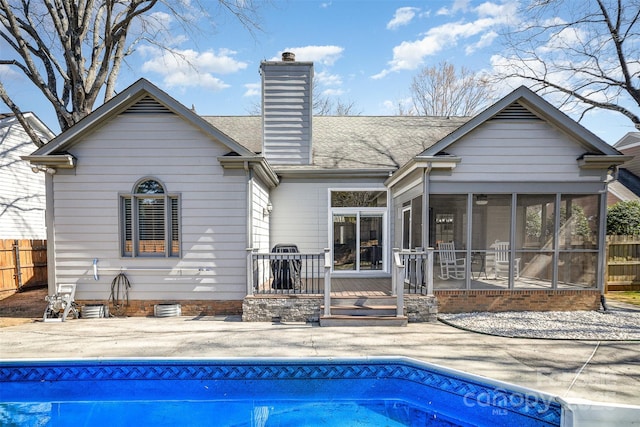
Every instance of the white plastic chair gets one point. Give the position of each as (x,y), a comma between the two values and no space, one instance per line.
(502,254)
(61,303)
(451,267)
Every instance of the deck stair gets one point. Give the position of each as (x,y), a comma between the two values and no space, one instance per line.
(363,311)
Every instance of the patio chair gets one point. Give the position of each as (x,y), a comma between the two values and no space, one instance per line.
(451,267)
(61,304)
(502,259)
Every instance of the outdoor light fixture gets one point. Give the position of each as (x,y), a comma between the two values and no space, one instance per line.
(481,199)
(267,210)
(36,169)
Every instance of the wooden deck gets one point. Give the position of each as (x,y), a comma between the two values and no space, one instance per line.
(347,287)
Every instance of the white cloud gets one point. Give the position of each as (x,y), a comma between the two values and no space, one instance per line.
(162,19)
(327,79)
(485,41)
(409,55)
(403,16)
(325,55)
(190,68)
(333,92)
(7,72)
(253,89)
(565,38)
(458,6)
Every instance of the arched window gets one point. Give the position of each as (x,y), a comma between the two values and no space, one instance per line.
(150,221)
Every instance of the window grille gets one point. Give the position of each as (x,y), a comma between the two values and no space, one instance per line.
(150,221)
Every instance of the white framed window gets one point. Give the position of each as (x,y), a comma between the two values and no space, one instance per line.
(358,229)
(150,221)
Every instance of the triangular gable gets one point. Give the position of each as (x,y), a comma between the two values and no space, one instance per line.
(9,119)
(523,103)
(630,140)
(142,95)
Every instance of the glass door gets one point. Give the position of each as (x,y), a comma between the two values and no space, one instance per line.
(371,242)
(358,241)
(344,242)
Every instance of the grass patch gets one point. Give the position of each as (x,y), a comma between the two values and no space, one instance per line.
(630,297)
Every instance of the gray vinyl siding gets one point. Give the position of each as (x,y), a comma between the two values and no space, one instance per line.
(212,212)
(407,195)
(632,165)
(260,221)
(22,192)
(287,113)
(301,212)
(522,151)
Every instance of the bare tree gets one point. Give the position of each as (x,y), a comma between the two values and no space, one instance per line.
(444,91)
(72,50)
(586,53)
(324,105)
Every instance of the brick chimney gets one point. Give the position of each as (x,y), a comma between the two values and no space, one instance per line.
(287,110)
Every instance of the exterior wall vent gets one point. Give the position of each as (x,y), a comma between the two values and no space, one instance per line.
(515,111)
(147,105)
(167,310)
(94,311)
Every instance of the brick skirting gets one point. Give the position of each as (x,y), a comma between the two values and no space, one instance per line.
(308,308)
(467,301)
(140,308)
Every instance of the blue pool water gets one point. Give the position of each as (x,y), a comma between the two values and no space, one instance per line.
(261,393)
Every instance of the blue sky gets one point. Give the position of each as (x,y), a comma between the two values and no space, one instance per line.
(365,52)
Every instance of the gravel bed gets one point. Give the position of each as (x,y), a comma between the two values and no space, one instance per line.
(575,325)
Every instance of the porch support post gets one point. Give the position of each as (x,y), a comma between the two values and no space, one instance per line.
(250,272)
(425,207)
(556,239)
(397,280)
(601,277)
(429,271)
(327,282)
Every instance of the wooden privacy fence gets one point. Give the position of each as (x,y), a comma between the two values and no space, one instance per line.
(623,263)
(22,263)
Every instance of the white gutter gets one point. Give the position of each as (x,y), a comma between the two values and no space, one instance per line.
(421,162)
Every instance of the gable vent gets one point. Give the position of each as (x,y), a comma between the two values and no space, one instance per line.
(515,111)
(147,105)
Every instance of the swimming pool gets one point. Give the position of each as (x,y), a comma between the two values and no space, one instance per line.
(262,392)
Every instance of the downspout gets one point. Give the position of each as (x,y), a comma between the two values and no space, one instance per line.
(51,242)
(249,175)
(249,239)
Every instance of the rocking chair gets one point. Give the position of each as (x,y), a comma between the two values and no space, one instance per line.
(502,260)
(451,267)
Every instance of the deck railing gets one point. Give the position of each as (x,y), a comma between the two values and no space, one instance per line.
(288,273)
(414,271)
(300,273)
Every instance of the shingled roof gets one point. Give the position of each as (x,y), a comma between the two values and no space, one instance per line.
(353,142)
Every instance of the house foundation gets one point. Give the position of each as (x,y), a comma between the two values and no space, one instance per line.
(467,301)
(303,308)
(142,308)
